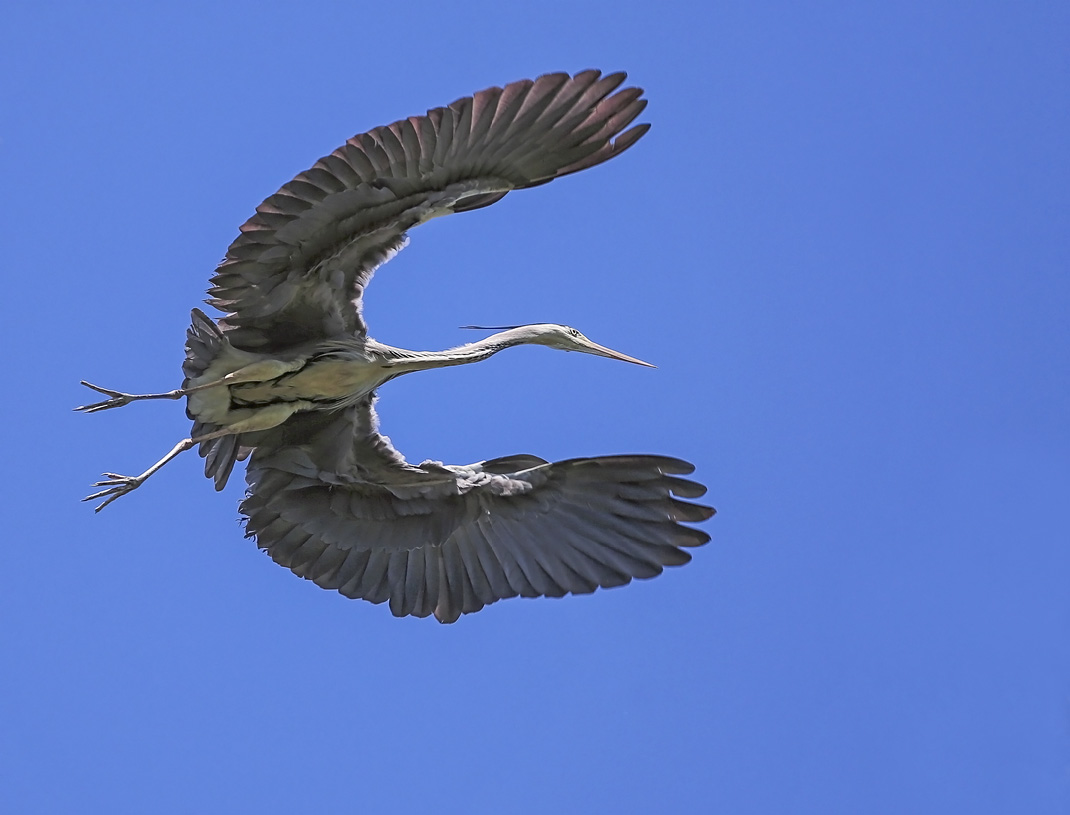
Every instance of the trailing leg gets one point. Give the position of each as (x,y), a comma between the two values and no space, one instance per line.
(262,419)
(118,485)
(261,371)
(118,398)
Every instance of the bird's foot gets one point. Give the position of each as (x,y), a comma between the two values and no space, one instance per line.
(117,485)
(118,399)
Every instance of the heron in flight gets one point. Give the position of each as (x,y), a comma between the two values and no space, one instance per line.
(287,377)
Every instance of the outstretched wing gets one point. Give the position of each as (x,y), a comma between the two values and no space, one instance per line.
(332,500)
(298,270)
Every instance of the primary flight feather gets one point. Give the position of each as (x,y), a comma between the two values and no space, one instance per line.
(287,377)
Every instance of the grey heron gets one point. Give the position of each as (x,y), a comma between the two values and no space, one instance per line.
(288,375)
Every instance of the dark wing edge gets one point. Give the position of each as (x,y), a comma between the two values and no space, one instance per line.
(450,540)
(298,269)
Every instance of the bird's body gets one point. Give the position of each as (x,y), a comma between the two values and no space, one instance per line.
(325,377)
(335,374)
(288,376)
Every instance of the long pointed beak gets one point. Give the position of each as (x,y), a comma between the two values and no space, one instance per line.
(602,351)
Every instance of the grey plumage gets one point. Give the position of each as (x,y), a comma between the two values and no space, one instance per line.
(458,538)
(304,258)
(288,377)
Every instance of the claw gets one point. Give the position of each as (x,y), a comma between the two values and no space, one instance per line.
(117,486)
(118,399)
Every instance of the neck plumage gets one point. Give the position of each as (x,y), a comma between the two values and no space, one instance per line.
(404,361)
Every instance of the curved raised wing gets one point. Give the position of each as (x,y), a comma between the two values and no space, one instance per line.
(333,501)
(298,270)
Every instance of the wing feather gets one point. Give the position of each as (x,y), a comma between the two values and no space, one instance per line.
(325,566)
(510,563)
(395,575)
(475,546)
(333,501)
(349,577)
(297,271)
(373,587)
(465,546)
(521,549)
(553,561)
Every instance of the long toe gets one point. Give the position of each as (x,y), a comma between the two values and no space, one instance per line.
(117,486)
(118,399)
(93,408)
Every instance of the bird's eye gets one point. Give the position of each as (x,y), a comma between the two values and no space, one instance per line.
(573,332)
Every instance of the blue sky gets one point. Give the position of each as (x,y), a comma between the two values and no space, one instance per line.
(844,243)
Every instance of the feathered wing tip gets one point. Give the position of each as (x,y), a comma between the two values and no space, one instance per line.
(533,131)
(527,133)
(510,527)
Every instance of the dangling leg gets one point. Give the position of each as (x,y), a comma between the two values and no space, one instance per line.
(118,398)
(118,485)
(263,419)
(261,371)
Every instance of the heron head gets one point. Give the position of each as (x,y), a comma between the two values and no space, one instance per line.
(552,335)
(566,338)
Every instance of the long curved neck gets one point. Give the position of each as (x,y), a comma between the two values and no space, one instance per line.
(404,361)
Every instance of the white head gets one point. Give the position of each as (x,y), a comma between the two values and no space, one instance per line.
(562,337)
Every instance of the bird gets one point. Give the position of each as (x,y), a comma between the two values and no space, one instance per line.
(287,378)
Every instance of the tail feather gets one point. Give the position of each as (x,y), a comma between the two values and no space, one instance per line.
(204,342)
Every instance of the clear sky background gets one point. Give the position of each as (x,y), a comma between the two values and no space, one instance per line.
(845,245)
